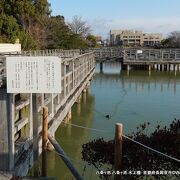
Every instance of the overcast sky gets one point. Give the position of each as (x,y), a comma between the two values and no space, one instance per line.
(103,15)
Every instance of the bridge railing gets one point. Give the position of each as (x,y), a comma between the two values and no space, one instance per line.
(112,52)
(76,69)
(152,54)
(106,52)
(53,52)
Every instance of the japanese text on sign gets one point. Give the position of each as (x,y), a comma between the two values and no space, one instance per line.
(33,74)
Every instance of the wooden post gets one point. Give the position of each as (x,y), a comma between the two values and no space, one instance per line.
(52,104)
(118,149)
(6,131)
(10,115)
(64,85)
(44,140)
(35,136)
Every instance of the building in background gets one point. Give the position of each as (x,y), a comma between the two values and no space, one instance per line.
(99,40)
(134,38)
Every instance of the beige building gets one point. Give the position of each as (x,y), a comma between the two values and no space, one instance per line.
(134,38)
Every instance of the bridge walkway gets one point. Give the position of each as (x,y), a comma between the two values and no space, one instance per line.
(16,130)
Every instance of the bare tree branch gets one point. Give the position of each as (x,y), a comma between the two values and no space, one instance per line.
(80,27)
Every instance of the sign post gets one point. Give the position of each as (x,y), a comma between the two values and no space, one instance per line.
(40,74)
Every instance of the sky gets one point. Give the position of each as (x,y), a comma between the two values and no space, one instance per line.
(160,16)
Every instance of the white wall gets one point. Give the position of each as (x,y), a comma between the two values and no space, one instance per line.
(6,48)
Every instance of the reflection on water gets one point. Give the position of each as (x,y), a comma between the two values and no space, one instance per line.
(71,140)
(131,99)
(135,98)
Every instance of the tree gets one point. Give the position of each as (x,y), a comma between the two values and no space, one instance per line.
(22,11)
(91,40)
(173,40)
(80,27)
(60,36)
(32,23)
(23,20)
(8,28)
(42,7)
(57,32)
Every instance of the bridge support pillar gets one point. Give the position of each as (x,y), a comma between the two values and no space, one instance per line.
(128,69)
(69,115)
(88,85)
(84,98)
(166,67)
(155,66)
(162,65)
(149,67)
(85,90)
(171,67)
(78,101)
(78,109)
(175,67)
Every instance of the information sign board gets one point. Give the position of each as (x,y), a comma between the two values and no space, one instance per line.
(40,74)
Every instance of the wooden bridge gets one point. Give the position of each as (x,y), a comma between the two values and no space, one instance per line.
(107,53)
(139,58)
(151,55)
(77,67)
(159,59)
(16,117)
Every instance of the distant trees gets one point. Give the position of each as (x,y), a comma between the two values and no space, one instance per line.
(91,40)
(78,26)
(173,40)
(58,35)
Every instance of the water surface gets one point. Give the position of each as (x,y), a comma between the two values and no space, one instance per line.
(129,98)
